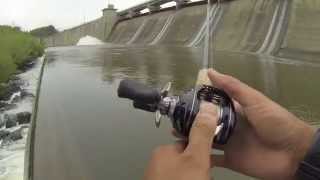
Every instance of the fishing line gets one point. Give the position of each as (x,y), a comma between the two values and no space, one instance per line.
(209,38)
(207,61)
(207,44)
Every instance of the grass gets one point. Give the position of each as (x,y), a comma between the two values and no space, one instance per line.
(16,49)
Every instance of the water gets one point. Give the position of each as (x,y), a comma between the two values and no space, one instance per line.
(84,131)
(12,154)
(88,40)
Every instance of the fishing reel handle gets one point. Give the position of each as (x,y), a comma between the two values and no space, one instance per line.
(139,93)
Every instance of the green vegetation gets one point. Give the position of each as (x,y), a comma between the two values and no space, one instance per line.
(16,49)
(44,31)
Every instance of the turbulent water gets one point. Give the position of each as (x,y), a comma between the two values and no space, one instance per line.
(12,154)
(88,40)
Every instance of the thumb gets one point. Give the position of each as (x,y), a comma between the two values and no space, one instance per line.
(239,91)
(203,130)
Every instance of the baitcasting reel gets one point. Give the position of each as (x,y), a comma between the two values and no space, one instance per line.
(182,109)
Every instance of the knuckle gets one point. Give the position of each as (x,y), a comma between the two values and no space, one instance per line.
(206,124)
(194,160)
(188,157)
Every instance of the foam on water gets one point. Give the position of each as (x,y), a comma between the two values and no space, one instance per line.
(12,160)
(88,40)
(12,154)
(17,94)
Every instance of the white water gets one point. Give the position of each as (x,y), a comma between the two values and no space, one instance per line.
(274,29)
(139,31)
(12,155)
(202,32)
(89,41)
(164,29)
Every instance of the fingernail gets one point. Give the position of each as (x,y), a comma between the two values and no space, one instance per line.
(213,72)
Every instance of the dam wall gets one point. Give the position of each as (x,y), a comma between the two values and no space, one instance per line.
(99,28)
(302,39)
(174,27)
(72,36)
(238,25)
(244,24)
(284,28)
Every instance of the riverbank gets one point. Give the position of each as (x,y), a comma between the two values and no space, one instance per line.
(15,123)
(18,51)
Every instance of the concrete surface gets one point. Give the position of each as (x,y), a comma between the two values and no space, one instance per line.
(285,28)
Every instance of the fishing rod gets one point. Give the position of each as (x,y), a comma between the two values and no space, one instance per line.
(183,109)
(209,37)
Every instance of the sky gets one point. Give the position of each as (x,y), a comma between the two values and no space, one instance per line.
(63,14)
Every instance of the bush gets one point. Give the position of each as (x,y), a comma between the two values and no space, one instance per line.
(16,49)
(44,31)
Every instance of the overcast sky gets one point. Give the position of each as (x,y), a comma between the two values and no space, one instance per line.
(63,14)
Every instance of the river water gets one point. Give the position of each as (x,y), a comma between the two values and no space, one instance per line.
(84,131)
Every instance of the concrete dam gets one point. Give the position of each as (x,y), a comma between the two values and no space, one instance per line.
(285,28)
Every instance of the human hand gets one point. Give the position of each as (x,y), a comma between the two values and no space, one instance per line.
(187,162)
(269,142)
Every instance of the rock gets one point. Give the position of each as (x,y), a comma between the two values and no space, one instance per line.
(8,107)
(18,71)
(9,137)
(4,134)
(25,126)
(15,135)
(27,66)
(1,121)
(14,78)
(11,88)
(25,94)
(10,124)
(23,118)
(3,104)
(5,95)
(16,98)
(10,120)
(15,85)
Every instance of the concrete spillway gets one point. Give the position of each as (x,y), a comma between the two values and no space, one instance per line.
(243,25)
(272,27)
(285,28)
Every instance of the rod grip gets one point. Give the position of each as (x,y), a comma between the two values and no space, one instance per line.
(139,92)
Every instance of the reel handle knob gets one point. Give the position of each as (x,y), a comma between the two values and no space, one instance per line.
(138,92)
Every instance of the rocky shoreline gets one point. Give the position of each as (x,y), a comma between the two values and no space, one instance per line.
(12,126)
(13,123)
